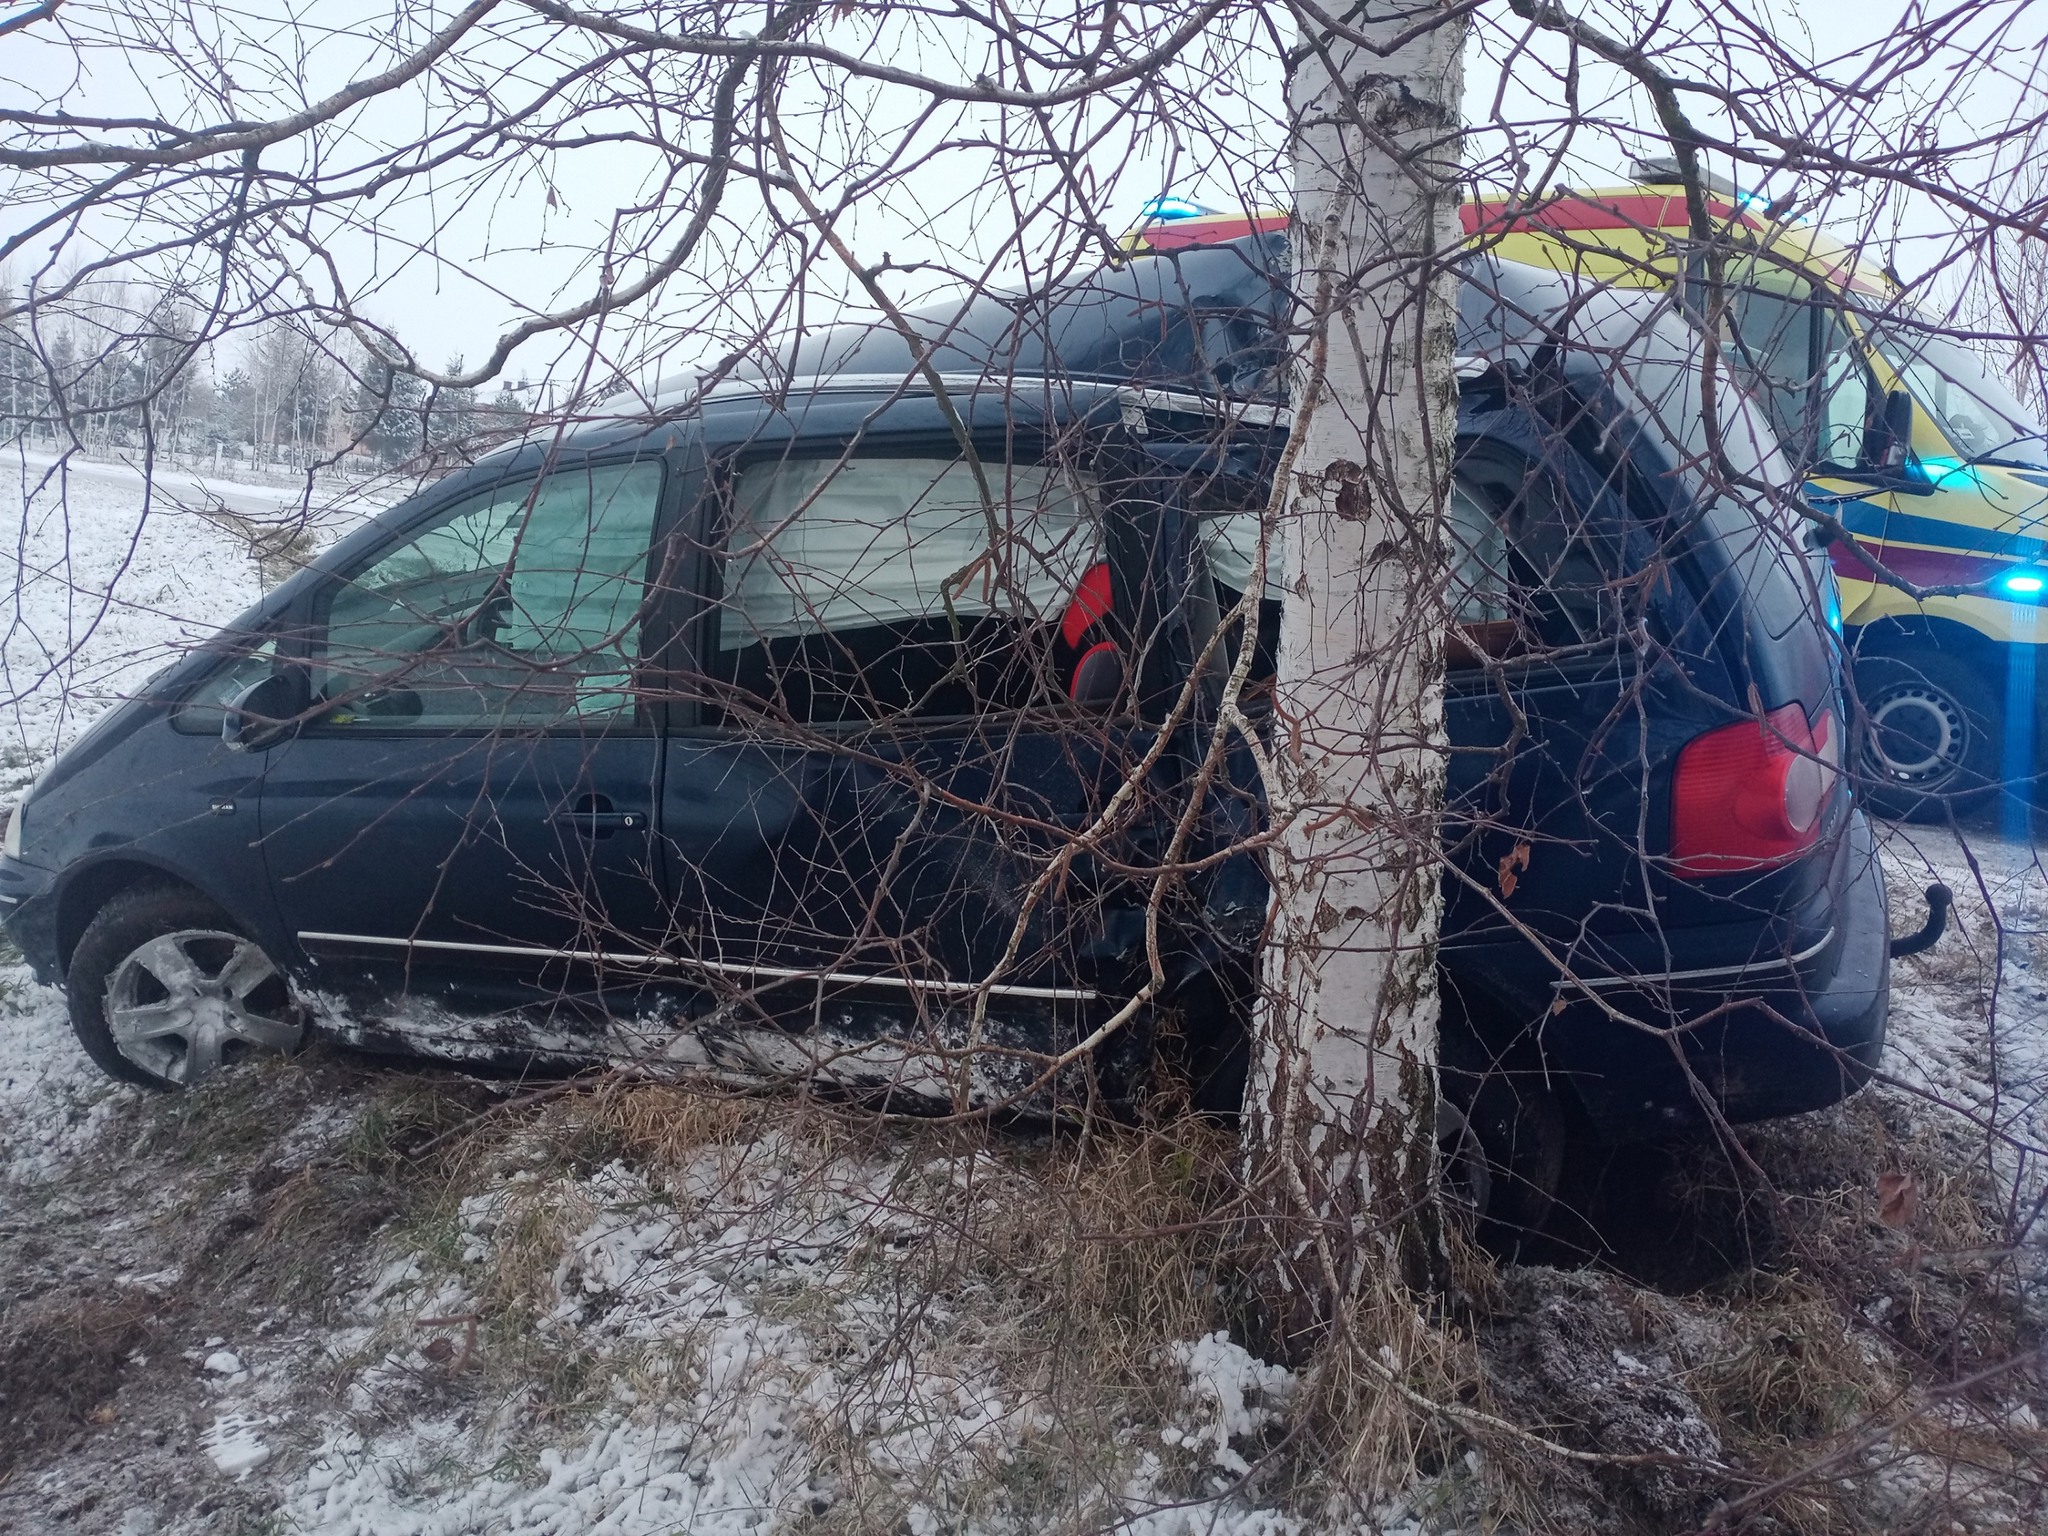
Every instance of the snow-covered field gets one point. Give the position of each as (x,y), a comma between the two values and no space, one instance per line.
(1969,1019)
(768,1331)
(109,584)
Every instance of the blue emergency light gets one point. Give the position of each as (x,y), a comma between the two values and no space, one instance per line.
(1169,208)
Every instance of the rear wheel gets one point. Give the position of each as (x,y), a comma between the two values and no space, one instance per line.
(163,991)
(1500,1155)
(1933,732)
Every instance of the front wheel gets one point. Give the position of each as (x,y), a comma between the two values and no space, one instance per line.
(1933,732)
(164,992)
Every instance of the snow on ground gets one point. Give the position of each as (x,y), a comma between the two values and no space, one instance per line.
(1969,1019)
(52,1099)
(756,1299)
(184,487)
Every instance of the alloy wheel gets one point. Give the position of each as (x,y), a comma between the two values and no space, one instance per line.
(185,1004)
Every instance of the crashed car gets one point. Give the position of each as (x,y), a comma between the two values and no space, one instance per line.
(839,724)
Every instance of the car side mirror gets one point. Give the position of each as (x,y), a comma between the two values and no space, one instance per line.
(1892,434)
(262,714)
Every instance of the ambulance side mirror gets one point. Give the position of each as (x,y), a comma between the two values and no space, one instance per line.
(1892,434)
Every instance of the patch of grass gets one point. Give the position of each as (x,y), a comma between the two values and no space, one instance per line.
(227,1119)
(61,1357)
(279,548)
(1792,1373)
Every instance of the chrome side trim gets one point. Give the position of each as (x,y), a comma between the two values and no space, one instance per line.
(724,968)
(1709,973)
(1249,412)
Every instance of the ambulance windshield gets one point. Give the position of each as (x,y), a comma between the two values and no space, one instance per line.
(1972,405)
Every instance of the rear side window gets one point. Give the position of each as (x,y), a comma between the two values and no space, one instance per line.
(517,607)
(876,588)
(1530,572)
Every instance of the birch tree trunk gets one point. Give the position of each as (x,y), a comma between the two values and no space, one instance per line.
(1342,1124)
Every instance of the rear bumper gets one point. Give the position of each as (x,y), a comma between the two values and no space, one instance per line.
(1779,1035)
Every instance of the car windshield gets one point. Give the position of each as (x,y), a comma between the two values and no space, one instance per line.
(1968,401)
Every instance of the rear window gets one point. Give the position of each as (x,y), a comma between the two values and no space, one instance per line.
(1652,361)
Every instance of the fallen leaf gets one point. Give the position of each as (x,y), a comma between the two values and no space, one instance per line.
(1898,1199)
(1511,866)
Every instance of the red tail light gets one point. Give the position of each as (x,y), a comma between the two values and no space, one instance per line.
(1752,794)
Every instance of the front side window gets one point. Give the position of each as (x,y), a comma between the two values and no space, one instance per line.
(1771,323)
(866,588)
(520,606)
(1805,361)
(1848,402)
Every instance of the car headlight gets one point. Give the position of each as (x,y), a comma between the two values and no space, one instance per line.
(10,843)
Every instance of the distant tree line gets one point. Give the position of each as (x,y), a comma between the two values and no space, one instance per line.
(124,367)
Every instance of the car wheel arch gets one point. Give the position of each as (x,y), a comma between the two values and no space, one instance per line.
(85,890)
(1902,635)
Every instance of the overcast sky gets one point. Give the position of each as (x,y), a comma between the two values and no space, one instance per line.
(449,268)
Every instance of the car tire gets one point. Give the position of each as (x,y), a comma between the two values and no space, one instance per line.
(1931,735)
(164,989)
(1500,1156)
(1204,1056)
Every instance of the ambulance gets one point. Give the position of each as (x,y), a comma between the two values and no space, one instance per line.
(1905,436)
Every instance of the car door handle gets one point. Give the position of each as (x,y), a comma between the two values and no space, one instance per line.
(596,816)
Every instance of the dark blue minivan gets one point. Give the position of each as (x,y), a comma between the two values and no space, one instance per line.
(852,723)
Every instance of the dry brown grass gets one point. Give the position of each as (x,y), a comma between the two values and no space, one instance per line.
(1057,1271)
(60,1362)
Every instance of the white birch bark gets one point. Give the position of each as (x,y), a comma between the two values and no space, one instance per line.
(1342,1103)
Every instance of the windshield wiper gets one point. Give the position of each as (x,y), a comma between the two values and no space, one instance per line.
(1998,454)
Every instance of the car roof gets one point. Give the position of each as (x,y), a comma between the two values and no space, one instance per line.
(1204,328)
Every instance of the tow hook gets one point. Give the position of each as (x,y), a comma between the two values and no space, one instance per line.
(1939,900)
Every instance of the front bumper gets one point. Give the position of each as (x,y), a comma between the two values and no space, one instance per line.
(28,911)
(1780,1035)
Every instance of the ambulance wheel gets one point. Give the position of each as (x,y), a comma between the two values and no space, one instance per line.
(1932,734)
